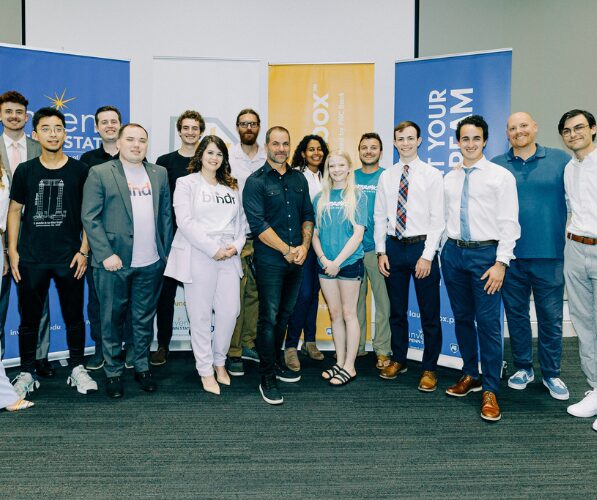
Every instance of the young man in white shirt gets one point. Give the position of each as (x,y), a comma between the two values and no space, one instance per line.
(578,129)
(482,228)
(409,222)
(245,158)
(15,148)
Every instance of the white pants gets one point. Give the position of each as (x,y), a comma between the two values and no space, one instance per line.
(8,396)
(215,287)
(580,271)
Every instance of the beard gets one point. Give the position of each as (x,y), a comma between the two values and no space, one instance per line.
(248,138)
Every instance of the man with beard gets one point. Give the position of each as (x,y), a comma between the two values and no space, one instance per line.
(539,263)
(190,126)
(245,158)
(16,147)
(367,178)
(279,210)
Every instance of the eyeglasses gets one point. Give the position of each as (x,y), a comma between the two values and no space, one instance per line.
(248,124)
(577,130)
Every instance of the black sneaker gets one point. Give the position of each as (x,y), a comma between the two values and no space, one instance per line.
(285,374)
(269,391)
(235,367)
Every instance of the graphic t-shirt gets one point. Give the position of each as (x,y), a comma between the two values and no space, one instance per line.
(51,223)
(335,229)
(145,249)
(367,183)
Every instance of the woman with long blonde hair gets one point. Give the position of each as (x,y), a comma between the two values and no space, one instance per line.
(9,399)
(340,221)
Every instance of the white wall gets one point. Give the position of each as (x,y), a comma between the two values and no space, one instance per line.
(270,31)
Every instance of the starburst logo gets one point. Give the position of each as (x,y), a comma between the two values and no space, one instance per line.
(59,101)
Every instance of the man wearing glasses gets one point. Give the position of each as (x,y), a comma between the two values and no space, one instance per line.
(578,130)
(49,245)
(245,158)
(539,263)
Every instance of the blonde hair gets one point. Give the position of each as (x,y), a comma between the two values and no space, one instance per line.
(350,193)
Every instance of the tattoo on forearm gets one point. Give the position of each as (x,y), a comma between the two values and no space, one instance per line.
(307,233)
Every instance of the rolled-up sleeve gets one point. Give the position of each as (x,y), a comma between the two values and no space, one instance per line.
(254,205)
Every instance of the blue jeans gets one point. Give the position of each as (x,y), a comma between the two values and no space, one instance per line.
(278,288)
(304,316)
(476,314)
(545,277)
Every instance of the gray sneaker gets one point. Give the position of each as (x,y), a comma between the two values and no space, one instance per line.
(250,354)
(24,384)
(235,367)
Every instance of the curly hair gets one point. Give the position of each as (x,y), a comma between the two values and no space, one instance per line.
(298,161)
(223,175)
(192,115)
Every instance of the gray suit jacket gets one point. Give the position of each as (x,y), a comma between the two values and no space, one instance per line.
(33,151)
(107,212)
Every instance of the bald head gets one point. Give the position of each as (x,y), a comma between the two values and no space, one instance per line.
(521,130)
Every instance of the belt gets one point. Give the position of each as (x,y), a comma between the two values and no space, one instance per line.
(474,244)
(409,240)
(582,239)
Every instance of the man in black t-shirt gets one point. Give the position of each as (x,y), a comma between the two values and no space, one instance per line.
(190,126)
(46,196)
(107,123)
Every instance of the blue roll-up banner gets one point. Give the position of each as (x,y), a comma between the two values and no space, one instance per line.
(436,94)
(77,85)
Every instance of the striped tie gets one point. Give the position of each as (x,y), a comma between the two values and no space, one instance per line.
(401,206)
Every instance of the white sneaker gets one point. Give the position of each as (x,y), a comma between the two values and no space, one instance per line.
(587,407)
(24,384)
(80,379)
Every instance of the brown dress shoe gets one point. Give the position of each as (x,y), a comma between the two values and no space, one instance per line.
(382,361)
(489,407)
(465,385)
(291,359)
(310,349)
(391,371)
(428,381)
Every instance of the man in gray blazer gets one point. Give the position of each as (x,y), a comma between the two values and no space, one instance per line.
(127,217)
(15,148)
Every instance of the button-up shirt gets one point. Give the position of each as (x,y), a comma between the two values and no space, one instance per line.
(424,205)
(313,181)
(541,201)
(281,202)
(21,145)
(492,206)
(241,166)
(580,180)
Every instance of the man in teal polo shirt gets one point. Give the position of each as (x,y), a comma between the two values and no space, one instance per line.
(539,263)
(367,178)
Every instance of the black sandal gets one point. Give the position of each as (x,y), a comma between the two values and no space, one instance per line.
(330,373)
(343,376)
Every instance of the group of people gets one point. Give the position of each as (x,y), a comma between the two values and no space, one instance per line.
(254,237)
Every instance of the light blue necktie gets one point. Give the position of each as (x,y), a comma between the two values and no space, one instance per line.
(465,229)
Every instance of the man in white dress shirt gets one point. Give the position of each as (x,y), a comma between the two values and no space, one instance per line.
(409,222)
(578,130)
(482,228)
(16,148)
(245,158)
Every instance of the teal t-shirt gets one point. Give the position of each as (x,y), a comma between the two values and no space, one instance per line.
(335,230)
(367,183)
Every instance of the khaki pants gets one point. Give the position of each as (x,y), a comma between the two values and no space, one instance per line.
(245,330)
(381,341)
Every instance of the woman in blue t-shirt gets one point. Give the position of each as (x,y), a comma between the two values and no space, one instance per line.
(340,221)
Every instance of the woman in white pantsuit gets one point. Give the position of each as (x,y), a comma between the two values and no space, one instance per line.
(205,256)
(8,397)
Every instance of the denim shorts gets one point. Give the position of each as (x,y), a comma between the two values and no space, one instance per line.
(351,272)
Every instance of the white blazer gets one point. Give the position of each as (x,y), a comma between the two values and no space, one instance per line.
(192,234)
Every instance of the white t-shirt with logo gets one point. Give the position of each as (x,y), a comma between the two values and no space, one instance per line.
(145,249)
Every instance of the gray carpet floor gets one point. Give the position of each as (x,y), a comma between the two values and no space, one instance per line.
(371,439)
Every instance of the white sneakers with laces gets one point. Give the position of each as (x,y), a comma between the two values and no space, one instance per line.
(80,379)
